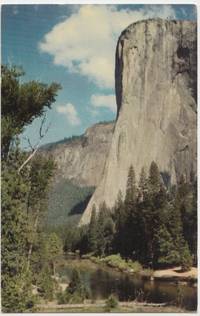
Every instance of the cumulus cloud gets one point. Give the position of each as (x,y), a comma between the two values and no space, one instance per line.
(85,42)
(70,112)
(105,101)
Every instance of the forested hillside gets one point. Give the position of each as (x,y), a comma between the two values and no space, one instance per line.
(66,203)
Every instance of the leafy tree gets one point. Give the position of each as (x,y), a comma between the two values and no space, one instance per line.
(15,294)
(46,283)
(54,249)
(21,103)
(41,172)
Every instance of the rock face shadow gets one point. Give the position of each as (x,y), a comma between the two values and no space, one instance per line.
(80,207)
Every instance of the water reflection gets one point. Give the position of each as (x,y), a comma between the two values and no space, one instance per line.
(103,282)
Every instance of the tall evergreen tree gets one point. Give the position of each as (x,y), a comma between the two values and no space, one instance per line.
(130,232)
(154,178)
(143,185)
(101,243)
(130,196)
(92,232)
(119,217)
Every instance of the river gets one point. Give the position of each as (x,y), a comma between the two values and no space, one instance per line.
(103,281)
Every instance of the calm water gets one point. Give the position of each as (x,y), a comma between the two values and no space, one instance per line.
(104,281)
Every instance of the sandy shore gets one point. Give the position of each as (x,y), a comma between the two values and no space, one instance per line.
(176,274)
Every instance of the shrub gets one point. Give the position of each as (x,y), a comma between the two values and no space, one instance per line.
(46,284)
(111,303)
(115,261)
(135,265)
(185,258)
(96,259)
(62,298)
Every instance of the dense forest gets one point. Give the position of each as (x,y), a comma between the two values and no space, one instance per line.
(156,223)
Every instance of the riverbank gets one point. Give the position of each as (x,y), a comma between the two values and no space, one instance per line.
(173,274)
(176,274)
(102,280)
(100,306)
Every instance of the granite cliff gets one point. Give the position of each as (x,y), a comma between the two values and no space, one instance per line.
(156,93)
(81,159)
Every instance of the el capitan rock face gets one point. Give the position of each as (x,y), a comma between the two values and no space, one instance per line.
(156,76)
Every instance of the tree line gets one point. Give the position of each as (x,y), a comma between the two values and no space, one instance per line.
(155,223)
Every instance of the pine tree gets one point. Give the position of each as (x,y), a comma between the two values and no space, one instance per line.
(101,243)
(143,185)
(119,216)
(165,252)
(185,257)
(154,178)
(92,232)
(130,230)
(130,189)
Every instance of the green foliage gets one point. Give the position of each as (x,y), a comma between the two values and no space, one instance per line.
(115,261)
(21,103)
(130,188)
(23,194)
(46,284)
(185,258)
(75,293)
(134,265)
(14,235)
(149,226)
(92,232)
(111,303)
(104,231)
(167,252)
(154,178)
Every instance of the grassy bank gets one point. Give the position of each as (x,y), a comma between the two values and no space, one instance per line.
(134,267)
(100,307)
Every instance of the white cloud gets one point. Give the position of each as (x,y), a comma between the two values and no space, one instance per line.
(85,42)
(106,101)
(70,112)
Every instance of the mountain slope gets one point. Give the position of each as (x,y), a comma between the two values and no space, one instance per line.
(81,159)
(80,162)
(66,203)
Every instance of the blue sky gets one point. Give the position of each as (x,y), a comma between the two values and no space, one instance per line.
(75,46)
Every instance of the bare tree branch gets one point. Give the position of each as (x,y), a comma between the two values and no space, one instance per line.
(36,147)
